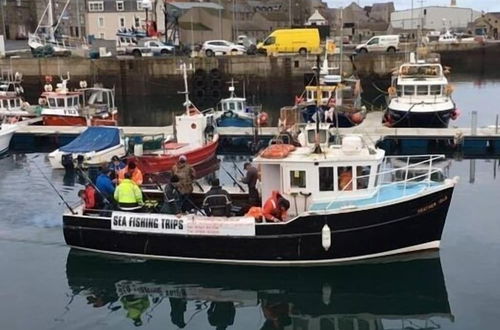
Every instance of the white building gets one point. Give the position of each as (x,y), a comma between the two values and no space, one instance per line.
(434,18)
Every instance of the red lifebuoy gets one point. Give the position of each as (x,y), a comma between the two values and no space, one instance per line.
(262,118)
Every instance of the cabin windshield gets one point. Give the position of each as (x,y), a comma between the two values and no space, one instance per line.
(52,102)
(422,90)
(12,104)
(322,136)
(60,102)
(435,89)
(409,90)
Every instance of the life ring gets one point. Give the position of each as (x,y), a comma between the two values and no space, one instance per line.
(277,151)
(448,90)
(229,114)
(48,79)
(392,91)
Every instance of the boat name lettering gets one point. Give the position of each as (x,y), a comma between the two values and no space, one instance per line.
(432,205)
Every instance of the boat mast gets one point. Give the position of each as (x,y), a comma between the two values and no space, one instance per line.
(187,102)
(317,147)
(50,17)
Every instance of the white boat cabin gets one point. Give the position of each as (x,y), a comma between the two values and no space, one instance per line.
(340,172)
(235,104)
(195,129)
(67,104)
(10,104)
(420,81)
(97,100)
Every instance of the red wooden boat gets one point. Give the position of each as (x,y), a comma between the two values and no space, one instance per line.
(152,163)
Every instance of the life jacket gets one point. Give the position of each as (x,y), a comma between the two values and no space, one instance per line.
(89,197)
(271,210)
(136,175)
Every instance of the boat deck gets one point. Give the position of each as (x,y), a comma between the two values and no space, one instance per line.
(387,193)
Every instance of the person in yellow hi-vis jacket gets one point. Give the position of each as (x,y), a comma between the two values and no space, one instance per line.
(128,194)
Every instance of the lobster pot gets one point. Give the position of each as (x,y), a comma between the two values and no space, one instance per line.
(289,116)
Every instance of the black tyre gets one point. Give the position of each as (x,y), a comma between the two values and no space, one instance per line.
(363,51)
(216,83)
(136,53)
(391,50)
(164,52)
(215,74)
(303,51)
(209,53)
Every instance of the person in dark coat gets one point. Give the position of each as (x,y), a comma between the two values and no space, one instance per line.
(217,206)
(251,180)
(171,203)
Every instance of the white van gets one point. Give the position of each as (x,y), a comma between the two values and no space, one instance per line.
(389,43)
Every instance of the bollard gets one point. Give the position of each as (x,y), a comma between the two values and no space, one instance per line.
(474,123)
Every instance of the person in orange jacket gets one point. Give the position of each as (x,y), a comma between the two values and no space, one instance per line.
(275,208)
(134,171)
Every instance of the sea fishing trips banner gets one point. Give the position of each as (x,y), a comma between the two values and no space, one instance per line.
(182,225)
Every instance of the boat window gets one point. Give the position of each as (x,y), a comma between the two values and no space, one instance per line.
(5,104)
(240,106)
(345,178)
(75,101)
(435,89)
(70,102)
(325,178)
(409,90)
(363,177)
(52,102)
(297,179)
(399,89)
(231,106)
(12,104)
(311,136)
(18,102)
(423,90)
(326,94)
(60,102)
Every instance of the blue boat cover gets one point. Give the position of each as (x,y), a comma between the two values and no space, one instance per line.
(94,139)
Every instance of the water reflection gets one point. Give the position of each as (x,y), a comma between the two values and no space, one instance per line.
(363,296)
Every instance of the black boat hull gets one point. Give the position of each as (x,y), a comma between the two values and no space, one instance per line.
(412,225)
(439,119)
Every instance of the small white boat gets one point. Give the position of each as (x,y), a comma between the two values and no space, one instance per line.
(96,145)
(6,133)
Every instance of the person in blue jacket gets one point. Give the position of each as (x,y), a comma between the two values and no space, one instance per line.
(105,185)
(115,167)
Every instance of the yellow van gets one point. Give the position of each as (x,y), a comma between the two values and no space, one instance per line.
(300,41)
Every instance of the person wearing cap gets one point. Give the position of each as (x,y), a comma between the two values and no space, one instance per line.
(171,197)
(250,180)
(135,173)
(186,174)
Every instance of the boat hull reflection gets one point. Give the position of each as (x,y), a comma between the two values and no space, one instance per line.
(396,288)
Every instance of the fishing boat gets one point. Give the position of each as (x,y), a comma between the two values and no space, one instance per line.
(80,107)
(46,35)
(11,96)
(6,133)
(195,138)
(331,98)
(420,96)
(345,205)
(95,146)
(235,112)
(410,292)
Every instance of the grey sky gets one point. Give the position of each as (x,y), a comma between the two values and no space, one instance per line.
(486,5)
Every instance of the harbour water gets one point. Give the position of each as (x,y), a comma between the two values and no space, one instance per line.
(46,285)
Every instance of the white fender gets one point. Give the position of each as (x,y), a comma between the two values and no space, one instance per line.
(326,237)
(326,291)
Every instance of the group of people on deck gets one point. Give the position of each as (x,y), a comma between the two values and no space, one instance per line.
(118,186)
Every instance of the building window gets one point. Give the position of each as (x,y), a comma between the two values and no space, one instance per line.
(96,6)
(100,22)
(19,3)
(139,5)
(297,179)
(101,35)
(122,21)
(120,6)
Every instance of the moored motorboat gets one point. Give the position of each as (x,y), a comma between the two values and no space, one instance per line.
(235,112)
(420,96)
(80,107)
(12,104)
(94,146)
(345,205)
(6,133)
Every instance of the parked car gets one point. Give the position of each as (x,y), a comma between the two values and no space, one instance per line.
(159,48)
(300,41)
(216,47)
(388,43)
(139,49)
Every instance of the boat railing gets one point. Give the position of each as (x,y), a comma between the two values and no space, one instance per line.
(397,175)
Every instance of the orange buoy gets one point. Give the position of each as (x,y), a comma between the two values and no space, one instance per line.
(48,79)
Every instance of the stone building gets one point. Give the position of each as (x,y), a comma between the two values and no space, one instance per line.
(199,24)
(17,18)
(487,25)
